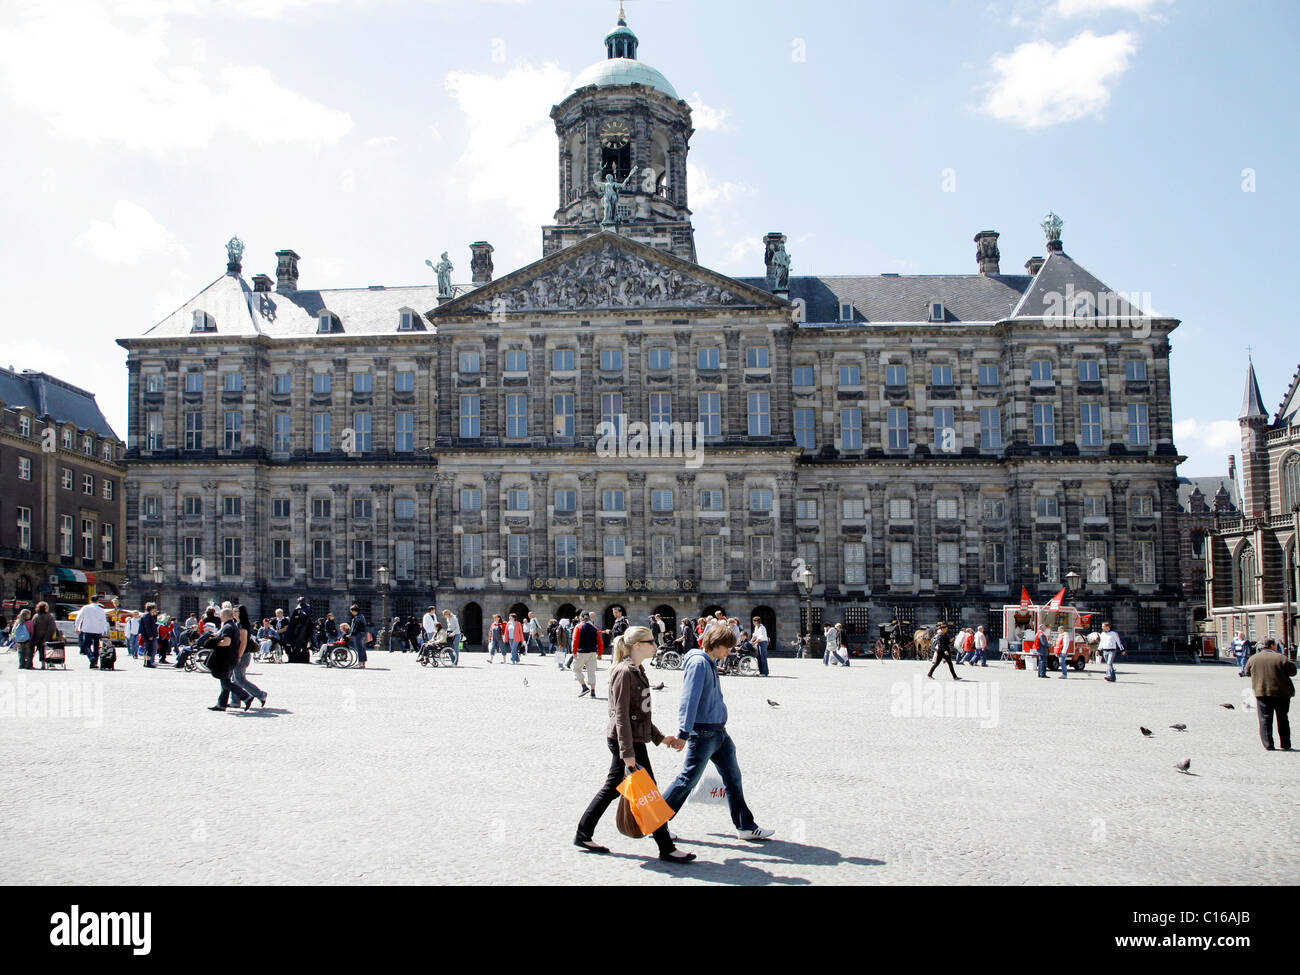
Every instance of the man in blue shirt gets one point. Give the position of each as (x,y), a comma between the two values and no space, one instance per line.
(702,718)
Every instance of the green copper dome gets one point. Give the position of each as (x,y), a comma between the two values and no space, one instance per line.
(624,71)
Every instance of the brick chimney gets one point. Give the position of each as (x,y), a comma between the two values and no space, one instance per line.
(286,271)
(1232,467)
(480,262)
(261,282)
(1034,264)
(986,252)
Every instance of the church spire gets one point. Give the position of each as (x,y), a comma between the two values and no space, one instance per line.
(621,42)
(1252,403)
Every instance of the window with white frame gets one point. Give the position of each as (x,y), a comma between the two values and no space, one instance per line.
(88,484)
(662,556)
(660,359)
(192,506)
(322,383)
(801,376)
(65,479)
(363,383)
(281,558)
(517,499)
(611,360)
(471,499)
(65,536)
(707,358)
(516,415)
(900,509)
(516,360)
(990,427)
(949,563)
(941,374)
(710,416)
(661,499)
(850,375)
(66,438)
(935,311)
(322,559)
(281,507)
(24,426)
(406,321)
(613,499)
(760,415)
(896,423)
(154,431)
(853,509)
(846,311)
(615,546)
(562,360)
(762,558)
(232,562)
(805,509)
(471,555)
(404,431)
(997,562)
(661,413)
(404,559)
(1142,505)
(809,552)
(711,499)
(88,446)
(404,509)
(363,559)
(1139,429)
(232,506)
(1040,371)
(234,429)
(895,374)
(945,509)
(232,382)
(87,538)
(805,428)
(1046,506)
(1135,370)
(469,362)
(322,507)
(517,556)
(945,428)
(1094,506)
(1049,562)
(320,432)
(1144,562)
(469,416)
(24,468)
(151,506)
(712,557)
(563,423)
(566,501)
(989,374)
(1089,371)
(1044,424)
(760,500)
(855,564)
(281,384)
(404,381)
(850,428)
(900,563)
(153,382)
(566,556)
(611,412)
(994,509)
(362,509)
(1096,561)
(1089,424)
(107,489)
(757,357)
(362,432)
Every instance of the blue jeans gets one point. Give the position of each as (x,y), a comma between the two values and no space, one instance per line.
(239,677)
(453,646)
(495,647)
(89,644)
(842,656)
(981,656)
(1241,664)
(515,647)
(1110,663)
(1042,663)
(1065,666)
(359,645)
(717,747)
(150,648)
(762,657)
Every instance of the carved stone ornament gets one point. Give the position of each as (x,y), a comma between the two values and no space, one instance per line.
(608,278)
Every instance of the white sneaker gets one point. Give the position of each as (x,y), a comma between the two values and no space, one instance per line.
(757,833)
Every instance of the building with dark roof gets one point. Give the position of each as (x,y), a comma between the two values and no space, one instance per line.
(61,497)
(926,445)
(1253,570)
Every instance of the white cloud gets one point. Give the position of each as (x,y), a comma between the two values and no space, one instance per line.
(133,234)
(509,155)
(705,190)
(1040,83)
(1219,438)
(1091,8)
(98,79)
(705,118)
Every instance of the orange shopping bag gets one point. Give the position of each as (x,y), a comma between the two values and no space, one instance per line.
(647,804)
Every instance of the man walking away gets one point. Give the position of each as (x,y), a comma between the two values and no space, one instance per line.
(981,648)
(943,652)
(1041,646)
(149,634)
(587,643)
(831,637)
(91,624)
(1270,676)
(1110,644)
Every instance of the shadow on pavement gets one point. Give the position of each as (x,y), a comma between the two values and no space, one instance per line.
(747,869)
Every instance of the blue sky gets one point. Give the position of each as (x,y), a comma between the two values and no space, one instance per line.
(370,135)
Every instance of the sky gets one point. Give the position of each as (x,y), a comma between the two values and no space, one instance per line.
(369,135)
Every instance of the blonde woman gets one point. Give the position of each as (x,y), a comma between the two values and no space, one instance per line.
(628,731)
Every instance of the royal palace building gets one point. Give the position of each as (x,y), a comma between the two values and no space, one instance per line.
(616,424)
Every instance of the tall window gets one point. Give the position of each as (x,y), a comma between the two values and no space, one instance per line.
(1049,562)
(990,427)
(855,564)
(945,427)
(661,413)
(517,560)
(706,358)
(1290,482)
(1044,424)
(1139,430)
(566,556)
(760,418)
(897,424)
(281,433)
(404,559)
(25,469)
(949,560)
(660,359)
(363,559)
(562,360)
(1247,583)
(320,432)
(154,436)
(281,561)
(1090,424)
(362,432)
(322,559)
(756,357)
(895,374)
(711,413)
(65,536)
(805,431)
(1096,563)
(1040,371)
(234,429)
(470,362)
(232,561)
(564,422)
(611,360)
(404,432)
(712,557)
(900,563)
(88,484)
(997,559)
(850,428)
(988,374)
(762,560)
(25,425)
(1089,371)
(24,528)
(469,416)
(516,360)
(152,551)
(65,479)
(192,546)
(611,412)
(516,415)
(87,538)
(1144,567)
(193,431)
(662,556)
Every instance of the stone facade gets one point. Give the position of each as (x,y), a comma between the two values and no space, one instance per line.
(926,445)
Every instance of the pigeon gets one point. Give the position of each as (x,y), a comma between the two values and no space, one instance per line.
(525,682)
(1146,732)
(658,687)
(1230,707)
(1179,727)
(772,703)
(1184,765)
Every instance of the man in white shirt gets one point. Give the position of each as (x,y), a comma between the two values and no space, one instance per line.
(131,630)
(429,623)
(1110,644)
(760,640)
(454,637)
(1241,650)
(1062,650)
(91,623)
(981,645)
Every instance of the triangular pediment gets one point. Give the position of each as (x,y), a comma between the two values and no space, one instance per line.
(607,272)
(1061,285)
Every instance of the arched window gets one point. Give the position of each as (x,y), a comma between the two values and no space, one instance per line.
(1247,588)
(1290,482)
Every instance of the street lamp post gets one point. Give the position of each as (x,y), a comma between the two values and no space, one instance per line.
(385,629)
(157,582)
(806,582)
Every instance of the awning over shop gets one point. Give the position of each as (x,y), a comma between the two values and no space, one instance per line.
(75,575)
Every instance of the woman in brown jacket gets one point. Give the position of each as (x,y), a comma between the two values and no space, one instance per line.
(628,731)
(44,630)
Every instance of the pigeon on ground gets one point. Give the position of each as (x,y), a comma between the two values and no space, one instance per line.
(772,703)
(1179,727)
(1230,707)
(1146,732)
(525,682)
(658,687)
(1184,765)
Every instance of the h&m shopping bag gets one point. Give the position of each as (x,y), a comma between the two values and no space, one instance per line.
(709,790)
(647,804)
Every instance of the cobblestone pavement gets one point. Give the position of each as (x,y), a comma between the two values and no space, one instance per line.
(400,775)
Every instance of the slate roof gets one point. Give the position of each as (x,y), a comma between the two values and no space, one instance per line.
(1252,403)
(1061,276)
(240,311)
(881,298)
(1209,487)
(53,400)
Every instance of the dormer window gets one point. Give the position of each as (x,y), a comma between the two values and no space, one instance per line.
(408,321)
(846,311)
(327,322)
(936,313)
(203,322)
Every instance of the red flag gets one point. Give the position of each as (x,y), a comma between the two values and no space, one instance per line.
(1024,597)
(1056,600)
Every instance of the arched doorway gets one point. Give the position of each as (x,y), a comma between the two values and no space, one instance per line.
(520,610)
(710,610)
(768,616)
(471,623)
(567,611)
(669,616)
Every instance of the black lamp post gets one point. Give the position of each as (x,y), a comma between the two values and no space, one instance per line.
(382,572)
(157,582)
(806,582)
